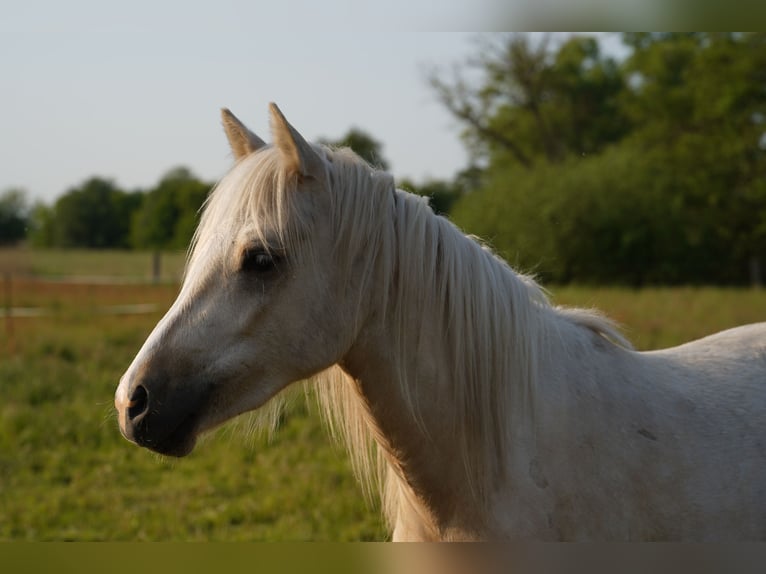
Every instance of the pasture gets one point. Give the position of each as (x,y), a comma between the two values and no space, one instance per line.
(67,474)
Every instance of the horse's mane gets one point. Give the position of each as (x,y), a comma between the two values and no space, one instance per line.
(494,321)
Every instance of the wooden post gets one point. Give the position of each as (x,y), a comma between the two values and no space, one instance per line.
(755,272)
(156,266)
(8,305)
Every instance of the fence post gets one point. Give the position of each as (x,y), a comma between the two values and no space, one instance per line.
(8,305)
(156,266)
(755,272)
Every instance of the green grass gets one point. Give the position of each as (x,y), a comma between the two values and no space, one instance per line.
(653,318)
(110,264)
(67,474)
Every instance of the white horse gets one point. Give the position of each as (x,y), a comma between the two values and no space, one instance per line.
(478,409)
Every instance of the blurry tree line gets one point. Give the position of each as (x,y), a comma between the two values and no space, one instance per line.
(98,214)
(584,167)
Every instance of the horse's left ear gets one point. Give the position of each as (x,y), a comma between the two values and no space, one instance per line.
(297,153)
(242,141)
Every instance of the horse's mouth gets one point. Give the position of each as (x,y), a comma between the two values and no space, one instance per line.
(178,443)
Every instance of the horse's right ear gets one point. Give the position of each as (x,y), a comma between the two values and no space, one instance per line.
(297,154)
(243,142)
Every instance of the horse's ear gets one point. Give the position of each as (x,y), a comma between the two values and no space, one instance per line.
(242,141)
(296,152)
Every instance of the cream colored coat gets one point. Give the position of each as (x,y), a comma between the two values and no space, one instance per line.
(478,409)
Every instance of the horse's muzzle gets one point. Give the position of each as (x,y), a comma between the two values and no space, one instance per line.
(148,418)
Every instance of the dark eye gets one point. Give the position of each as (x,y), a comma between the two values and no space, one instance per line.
(258,260)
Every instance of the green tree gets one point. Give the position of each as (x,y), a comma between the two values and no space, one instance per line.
(649,170)
(699,104)
(597,219)
(169,212)
(363,144)
(14,216)
(441,194)
(534,104)
(94,215)
(41,226)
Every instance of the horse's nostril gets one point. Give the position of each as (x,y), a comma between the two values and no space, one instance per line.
(139,403)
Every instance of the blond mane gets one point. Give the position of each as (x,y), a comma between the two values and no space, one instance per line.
(494,320)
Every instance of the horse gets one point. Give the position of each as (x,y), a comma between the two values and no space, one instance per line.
(474,406)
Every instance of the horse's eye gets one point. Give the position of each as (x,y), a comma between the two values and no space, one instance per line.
(258,260)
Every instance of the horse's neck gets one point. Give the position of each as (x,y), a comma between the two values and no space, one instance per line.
(425,479)
(436,364)
(433,497)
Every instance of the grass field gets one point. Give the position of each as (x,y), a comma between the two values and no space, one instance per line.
(100,266)
(66,473)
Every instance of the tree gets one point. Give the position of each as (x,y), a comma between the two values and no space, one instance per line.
(649,170)
(535,104)
(441,194)
(41,226)
(363,144)
(94,215)
(169,212)
(14,216)
(698,102)
(597,219)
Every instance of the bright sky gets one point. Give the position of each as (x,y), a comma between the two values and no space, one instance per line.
(129,90)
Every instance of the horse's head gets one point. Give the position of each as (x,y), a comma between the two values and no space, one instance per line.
(262,304)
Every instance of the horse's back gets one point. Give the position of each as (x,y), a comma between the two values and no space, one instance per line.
(729,366)
(749,340)
(717,389)
(667,445)
(724,372)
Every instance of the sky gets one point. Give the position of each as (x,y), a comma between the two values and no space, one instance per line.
(129,90)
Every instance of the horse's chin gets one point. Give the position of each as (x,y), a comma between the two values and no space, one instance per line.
(177,449)
(178,443)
